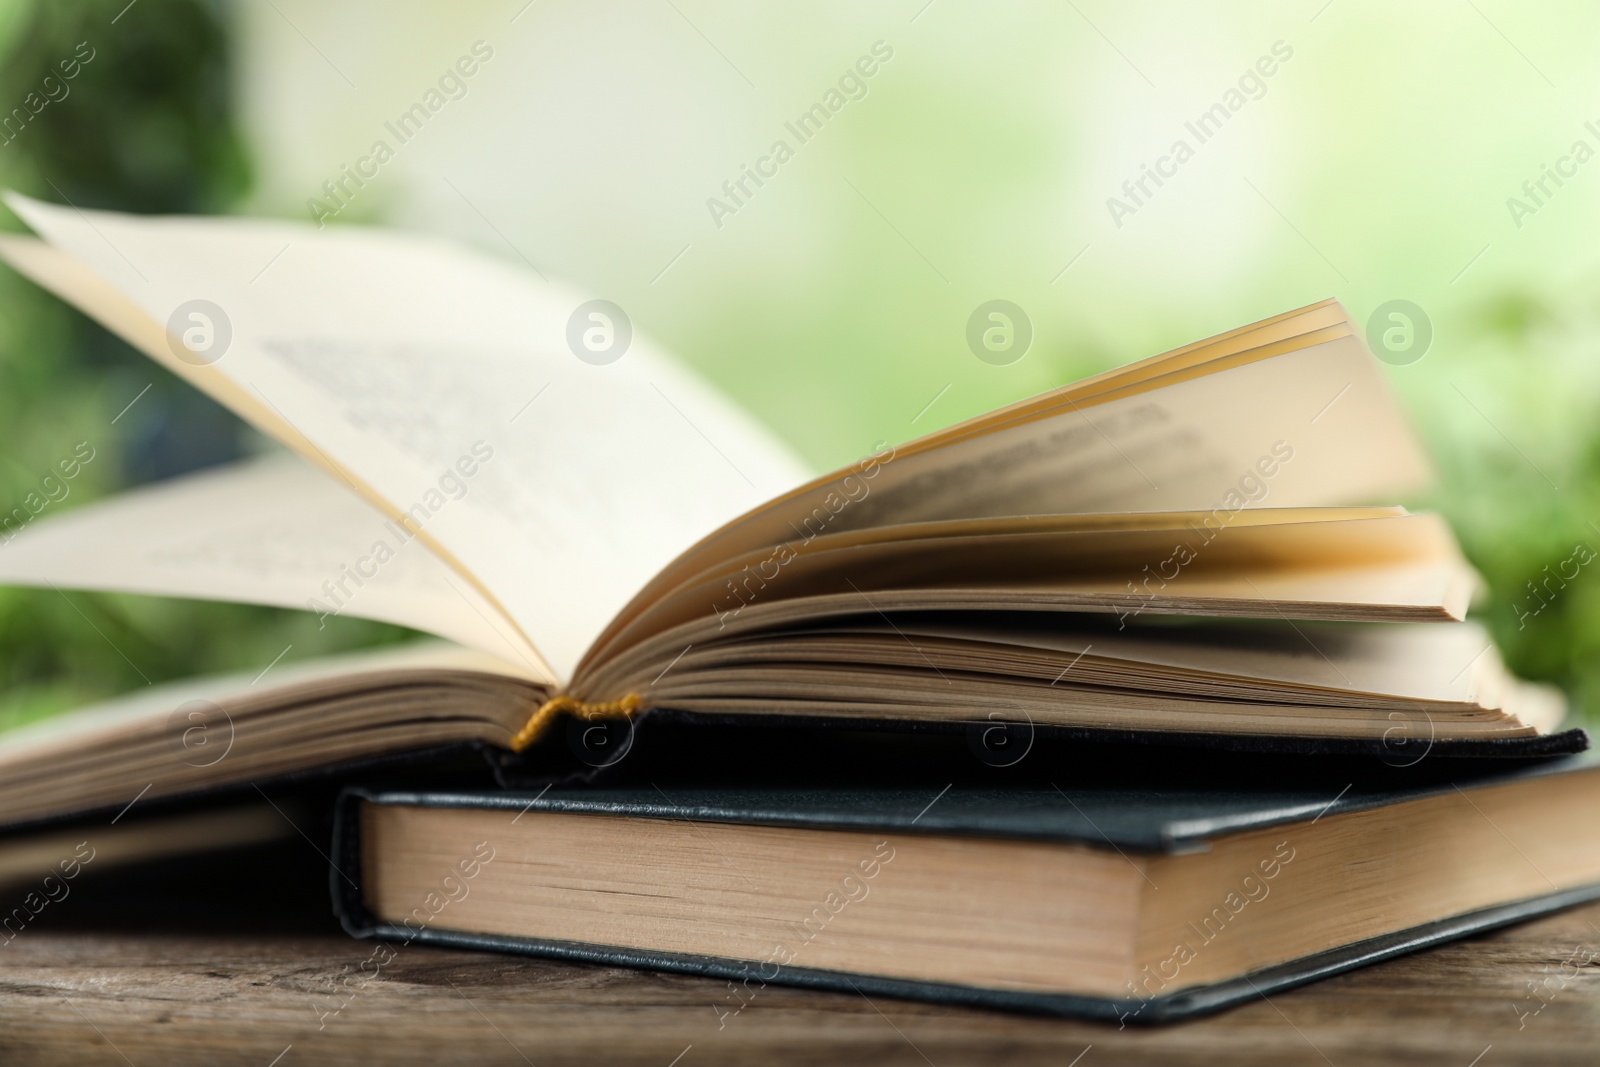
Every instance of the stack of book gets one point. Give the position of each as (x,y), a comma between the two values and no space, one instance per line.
(1129,700)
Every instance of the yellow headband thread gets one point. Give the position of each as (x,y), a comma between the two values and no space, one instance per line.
(625,708)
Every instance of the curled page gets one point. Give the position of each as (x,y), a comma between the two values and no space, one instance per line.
(272,531)
(445,386)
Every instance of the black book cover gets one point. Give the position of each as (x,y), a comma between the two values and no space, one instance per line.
(1095,805)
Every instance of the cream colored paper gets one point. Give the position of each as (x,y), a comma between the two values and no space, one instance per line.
(398,357)
(271,531)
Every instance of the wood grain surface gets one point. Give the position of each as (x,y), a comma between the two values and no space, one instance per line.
(237,960)
(164,998)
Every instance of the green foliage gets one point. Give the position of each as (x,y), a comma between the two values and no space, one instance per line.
(1513,434)
(145,124)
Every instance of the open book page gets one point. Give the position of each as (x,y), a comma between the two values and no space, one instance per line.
(204,733)
(1300,417)
(1408,661)
(1021,574)
(1373,563)
(146,711)
(443,382)
(271,531)
(1302,407)
(1394,681)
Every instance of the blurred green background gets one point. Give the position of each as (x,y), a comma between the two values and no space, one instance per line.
(1377,162)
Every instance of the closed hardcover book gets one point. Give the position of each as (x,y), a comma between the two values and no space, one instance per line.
(1112,897)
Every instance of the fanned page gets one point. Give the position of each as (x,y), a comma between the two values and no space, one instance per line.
(272,530)
(1289,412)
(1315,679)
(1355,564)
(440,384)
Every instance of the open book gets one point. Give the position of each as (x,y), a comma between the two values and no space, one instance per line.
(600,539)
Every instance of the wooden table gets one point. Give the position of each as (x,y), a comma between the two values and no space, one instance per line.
(231,963)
